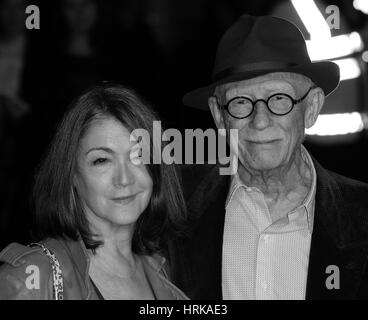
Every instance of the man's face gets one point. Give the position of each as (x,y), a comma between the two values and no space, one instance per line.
(266,141)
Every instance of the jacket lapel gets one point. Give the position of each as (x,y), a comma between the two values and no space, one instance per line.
(162,288)
(336,242)
(158,288)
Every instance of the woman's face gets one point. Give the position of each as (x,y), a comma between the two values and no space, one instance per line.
(113,189)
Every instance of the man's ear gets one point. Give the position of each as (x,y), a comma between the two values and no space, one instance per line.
(217,113)
(314,103)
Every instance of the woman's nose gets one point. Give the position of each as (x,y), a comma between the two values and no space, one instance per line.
(124,175)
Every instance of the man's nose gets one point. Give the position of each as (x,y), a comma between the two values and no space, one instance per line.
(261,117)
(124,175)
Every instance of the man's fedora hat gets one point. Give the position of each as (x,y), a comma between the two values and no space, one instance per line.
(255,46)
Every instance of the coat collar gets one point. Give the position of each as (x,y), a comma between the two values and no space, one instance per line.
(163,289)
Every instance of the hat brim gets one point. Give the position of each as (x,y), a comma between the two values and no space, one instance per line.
(324,74)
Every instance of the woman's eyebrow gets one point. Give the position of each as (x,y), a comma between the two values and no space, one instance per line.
(108,150)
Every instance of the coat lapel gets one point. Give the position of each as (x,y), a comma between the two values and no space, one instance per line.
(336,242)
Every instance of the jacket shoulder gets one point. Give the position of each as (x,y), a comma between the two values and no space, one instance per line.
(344,202)
(17,254)
(24,273)
(354,191)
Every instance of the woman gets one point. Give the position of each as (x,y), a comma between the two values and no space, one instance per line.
(104,217)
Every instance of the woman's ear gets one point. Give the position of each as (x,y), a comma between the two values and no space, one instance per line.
(314,104)
(217,113)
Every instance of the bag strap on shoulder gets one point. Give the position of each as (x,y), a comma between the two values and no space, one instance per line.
(58,286)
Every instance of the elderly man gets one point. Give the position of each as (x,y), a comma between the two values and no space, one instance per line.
(282,227)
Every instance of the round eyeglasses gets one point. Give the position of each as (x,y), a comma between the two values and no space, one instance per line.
(279,104)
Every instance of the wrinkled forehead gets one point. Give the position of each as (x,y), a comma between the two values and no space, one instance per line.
(278,80)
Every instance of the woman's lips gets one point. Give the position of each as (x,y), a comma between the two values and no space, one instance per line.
(125,199)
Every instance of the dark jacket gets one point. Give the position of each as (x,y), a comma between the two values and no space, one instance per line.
(74,264)
(340,235)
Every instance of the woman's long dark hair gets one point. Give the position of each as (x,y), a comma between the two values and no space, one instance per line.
(58,210)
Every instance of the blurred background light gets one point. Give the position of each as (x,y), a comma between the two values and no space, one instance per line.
(334,47)
(338,124)
(349,68)
(323,46)
(365,56)
(361,5)
(312,19)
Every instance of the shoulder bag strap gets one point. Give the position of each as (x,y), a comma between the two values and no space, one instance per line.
(58,287)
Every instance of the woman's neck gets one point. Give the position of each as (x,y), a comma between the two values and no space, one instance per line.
(115,258)
(115,255)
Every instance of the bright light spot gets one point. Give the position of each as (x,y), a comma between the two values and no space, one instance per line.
(365,56)
(322,46)
(338,124)
(312,19)
(349,68)
(334,47)
(355,41)
(361,5)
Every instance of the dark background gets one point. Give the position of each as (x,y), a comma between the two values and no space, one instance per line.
(161,48)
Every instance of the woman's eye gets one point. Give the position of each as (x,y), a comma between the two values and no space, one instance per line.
(99,161)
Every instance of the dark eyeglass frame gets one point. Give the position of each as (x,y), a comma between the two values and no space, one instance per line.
(294,102)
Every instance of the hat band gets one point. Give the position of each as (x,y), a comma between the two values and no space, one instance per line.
(258,66)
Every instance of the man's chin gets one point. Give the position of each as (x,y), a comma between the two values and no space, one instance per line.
(264,164)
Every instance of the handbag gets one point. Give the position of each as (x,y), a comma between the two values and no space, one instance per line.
(57,278)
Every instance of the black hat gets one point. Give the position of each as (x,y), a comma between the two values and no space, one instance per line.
(254,46)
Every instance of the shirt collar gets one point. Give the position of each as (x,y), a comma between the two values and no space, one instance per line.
(308,202)
(235,184)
